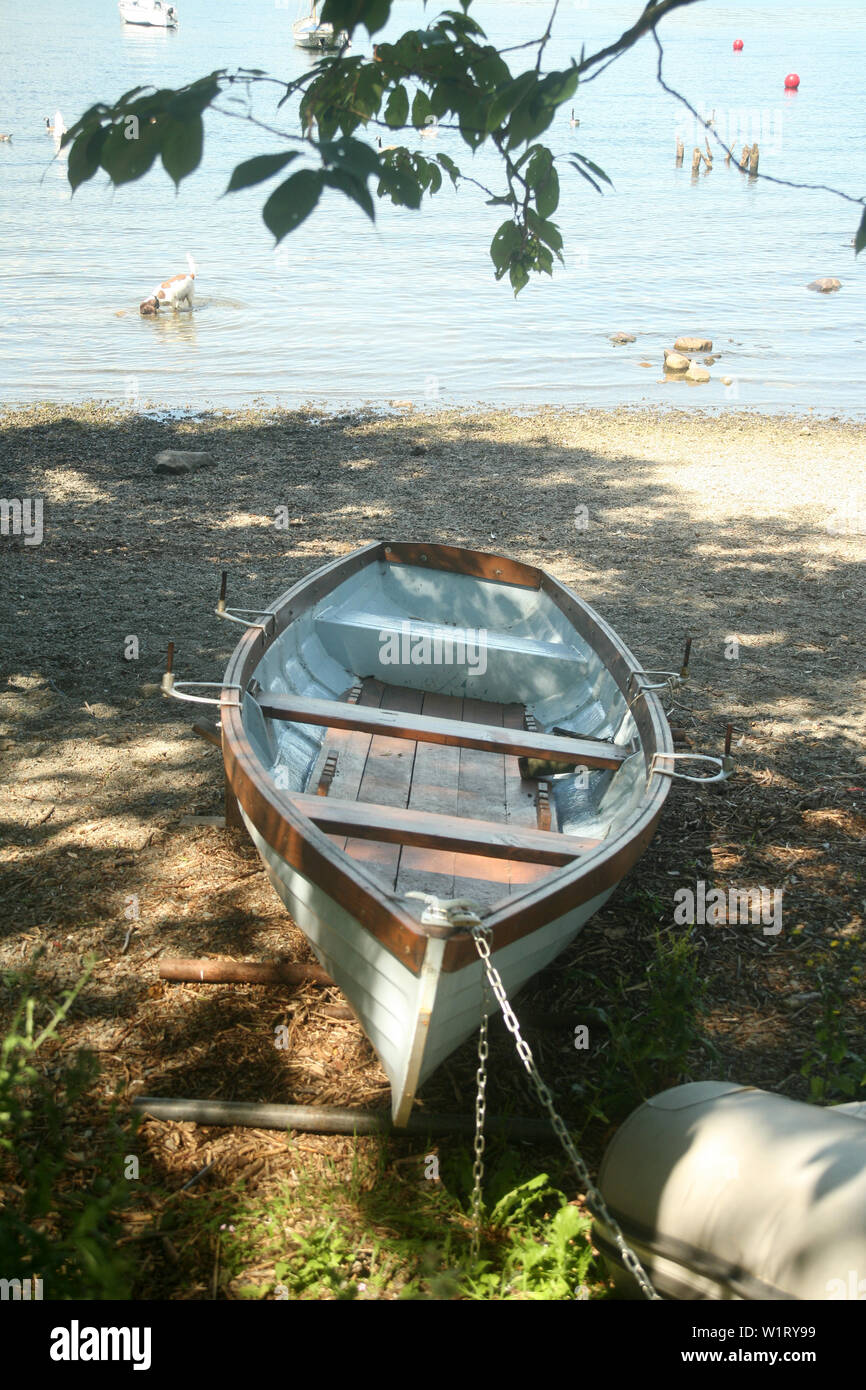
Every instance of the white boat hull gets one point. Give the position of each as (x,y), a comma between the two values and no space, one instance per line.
(394,819)
(149,16)
(413,1021)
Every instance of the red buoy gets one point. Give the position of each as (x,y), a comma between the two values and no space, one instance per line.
(792,82)
(738,45)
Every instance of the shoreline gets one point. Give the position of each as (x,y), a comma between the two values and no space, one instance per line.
(327,408)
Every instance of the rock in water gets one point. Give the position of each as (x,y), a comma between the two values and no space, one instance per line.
(694,344)
(182,461)
(675,362)
(696,373)
(622,337)
(825,286)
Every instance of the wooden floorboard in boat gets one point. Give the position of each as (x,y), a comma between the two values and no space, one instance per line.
(440,778)
(434,788)
(352,748)
(387,781)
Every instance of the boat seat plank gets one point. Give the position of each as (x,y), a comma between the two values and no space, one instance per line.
(398,825)
(400,724)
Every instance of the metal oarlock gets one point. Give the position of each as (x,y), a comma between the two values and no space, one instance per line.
(171,687)
(725,764)
(671,680)
(236,615)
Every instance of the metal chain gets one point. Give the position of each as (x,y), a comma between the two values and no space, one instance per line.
(489,971)
(480,1110)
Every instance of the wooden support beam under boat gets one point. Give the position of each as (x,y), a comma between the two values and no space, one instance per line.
(395,825)
(455,733)
(329,1119)
(247,972)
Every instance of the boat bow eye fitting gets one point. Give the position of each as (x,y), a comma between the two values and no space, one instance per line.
(447,912)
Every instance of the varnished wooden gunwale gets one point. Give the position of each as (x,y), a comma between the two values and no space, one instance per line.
(500,569)
(292,836)
(454,733)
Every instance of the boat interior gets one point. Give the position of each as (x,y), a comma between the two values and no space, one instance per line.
(451,734)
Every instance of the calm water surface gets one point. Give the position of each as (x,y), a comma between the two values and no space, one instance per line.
(345,313)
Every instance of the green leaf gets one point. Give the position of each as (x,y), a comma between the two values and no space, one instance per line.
(546,231)
(126,159)
(348,14)
(399,183)
(182,144)
(507,240)
(85,156)
(547,195)
(506,101)
(262,166)
(359,158)
(421,109)
(595,168)
(291,203)
(449,166)
(860,238)
(353,188)
(397,108)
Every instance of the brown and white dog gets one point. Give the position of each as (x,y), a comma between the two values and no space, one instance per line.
(174,293)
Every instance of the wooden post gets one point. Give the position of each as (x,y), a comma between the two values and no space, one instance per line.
(680,150)
(744,157)
(728,156)
(696,160)
(709,151)
(753,160)
(708,160)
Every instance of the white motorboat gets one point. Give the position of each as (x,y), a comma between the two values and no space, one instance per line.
(154,14)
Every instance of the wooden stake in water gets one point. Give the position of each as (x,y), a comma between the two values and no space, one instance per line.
(745,156)
(696,160)
(753,160)
(680,150)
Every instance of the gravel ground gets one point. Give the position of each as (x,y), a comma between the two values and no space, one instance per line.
(748,533)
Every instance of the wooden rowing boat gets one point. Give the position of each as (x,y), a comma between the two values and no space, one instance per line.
(423,719)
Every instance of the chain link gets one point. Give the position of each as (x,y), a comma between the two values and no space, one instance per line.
(491,977)
(480,1108)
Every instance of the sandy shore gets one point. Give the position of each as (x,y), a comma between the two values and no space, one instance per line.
(748,533)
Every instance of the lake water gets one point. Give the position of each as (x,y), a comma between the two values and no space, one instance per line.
(345,313)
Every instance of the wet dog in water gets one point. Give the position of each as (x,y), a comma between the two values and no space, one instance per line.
(175,293)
